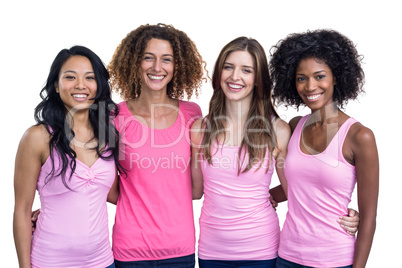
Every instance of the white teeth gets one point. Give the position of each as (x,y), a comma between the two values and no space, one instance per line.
(235,86)
(156,77)
(79,96)
(313,97)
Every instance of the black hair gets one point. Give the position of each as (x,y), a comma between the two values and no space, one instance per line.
(52,113)
(329,46)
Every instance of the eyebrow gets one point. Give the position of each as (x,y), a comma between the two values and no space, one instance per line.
(241,66)
(71,71)
(164,55)
(317,72)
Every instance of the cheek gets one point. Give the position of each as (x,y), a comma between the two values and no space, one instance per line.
(144,66)
(223,82)
(251,81)
(224,77)
(299,88)
(170,68)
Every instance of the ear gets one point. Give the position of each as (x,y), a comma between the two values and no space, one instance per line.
(334,81)
(56,86)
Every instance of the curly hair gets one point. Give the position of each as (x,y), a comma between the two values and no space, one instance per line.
(189,66)
(261,110)
(329,46)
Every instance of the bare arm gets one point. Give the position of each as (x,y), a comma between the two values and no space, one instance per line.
(367,173)
(30,157)
(113,194)
(283,133)
(196,172)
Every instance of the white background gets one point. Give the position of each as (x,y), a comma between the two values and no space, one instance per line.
(33,32)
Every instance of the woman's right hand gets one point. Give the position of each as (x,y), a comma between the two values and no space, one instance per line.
(34,218)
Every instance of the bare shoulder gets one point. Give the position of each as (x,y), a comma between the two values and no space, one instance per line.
(197,126)
(35,140)
(281,128)
(36,134)
(197,130)
(361,135)
(293,122)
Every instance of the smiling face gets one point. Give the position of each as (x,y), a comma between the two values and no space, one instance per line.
(76,84)
(157,65)
(315,83)
(238,76)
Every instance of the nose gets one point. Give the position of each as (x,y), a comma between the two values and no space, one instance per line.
(157,65)
(235,75)
(311,85)
(80,83)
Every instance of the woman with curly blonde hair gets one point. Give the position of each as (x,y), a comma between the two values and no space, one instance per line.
(153,69)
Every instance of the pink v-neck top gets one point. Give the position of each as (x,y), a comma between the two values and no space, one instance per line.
(154,214)
(72,228)
(320,187)
(237,220)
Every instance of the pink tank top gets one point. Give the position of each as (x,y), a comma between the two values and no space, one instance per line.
(72,228)
(319,190)
(154,214)
(237,220)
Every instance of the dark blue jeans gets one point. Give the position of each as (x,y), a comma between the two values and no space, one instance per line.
(236,264)
(111,266)
(179,262)
(282,263)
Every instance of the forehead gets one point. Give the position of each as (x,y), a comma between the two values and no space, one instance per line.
(77,62)
(159,46)
(240,57)
(312,64)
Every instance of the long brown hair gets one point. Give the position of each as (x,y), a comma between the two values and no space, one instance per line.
(260,114)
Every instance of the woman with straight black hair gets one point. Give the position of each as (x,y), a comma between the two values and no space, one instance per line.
(70,158)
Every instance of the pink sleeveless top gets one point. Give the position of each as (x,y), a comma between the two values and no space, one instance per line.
(237,220)
(154,214)
(72,228)
(319,190)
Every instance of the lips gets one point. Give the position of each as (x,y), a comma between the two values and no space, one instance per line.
(313,97)
(235,87)
(80,97)
(156,78)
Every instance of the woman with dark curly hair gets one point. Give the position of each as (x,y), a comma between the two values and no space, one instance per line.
(69,157)
(153,68)
(327,154)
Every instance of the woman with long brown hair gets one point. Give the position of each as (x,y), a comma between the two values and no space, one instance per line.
(236,148)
